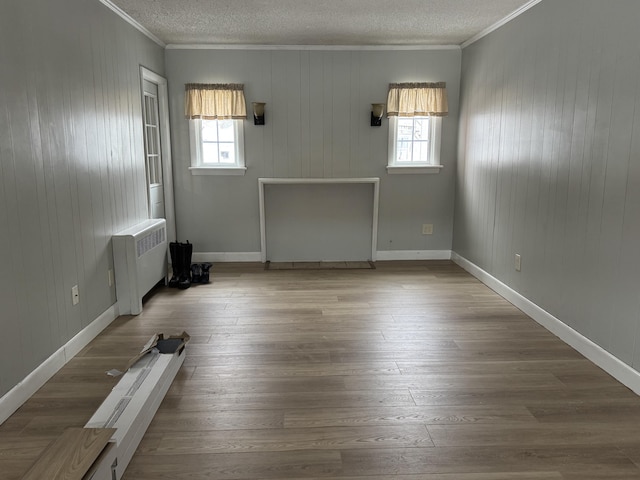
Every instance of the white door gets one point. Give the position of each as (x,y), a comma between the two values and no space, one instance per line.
(153,149)
(157,148)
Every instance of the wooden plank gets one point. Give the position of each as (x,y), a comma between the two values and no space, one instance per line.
(71,455)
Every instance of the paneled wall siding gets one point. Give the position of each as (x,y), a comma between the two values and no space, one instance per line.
(549,164)
(71,168)
(317,126)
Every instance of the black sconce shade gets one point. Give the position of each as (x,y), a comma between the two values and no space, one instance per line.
(377,110)
(258,113)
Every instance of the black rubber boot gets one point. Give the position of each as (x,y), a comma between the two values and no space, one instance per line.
(185,272)
(174,251)
(205,267)
(196,273)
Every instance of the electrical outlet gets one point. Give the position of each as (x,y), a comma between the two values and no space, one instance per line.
(110,277)
(75,295)
(518,262)
(427,229)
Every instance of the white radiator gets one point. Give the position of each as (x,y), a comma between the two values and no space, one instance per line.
(140,261)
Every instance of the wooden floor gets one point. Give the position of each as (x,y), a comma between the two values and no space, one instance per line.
(409,371)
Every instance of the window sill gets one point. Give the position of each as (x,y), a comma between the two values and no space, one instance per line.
(398,169)
(218,170)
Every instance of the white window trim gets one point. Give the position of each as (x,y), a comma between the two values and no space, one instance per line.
(415,167)
(198,168)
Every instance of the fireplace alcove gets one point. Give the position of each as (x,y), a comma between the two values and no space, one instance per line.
(318,219)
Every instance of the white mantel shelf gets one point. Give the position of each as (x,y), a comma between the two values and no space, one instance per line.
(375,181)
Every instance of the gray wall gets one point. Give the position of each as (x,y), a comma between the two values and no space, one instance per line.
(549,164)
(71,168)
(317,125)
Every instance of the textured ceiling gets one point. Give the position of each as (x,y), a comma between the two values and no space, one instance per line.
(317,22)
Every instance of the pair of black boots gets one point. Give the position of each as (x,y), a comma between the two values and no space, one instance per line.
(181,264)
(184,274)
(200,272)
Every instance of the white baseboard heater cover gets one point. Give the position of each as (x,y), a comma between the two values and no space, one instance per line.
(131,406)
(140,261)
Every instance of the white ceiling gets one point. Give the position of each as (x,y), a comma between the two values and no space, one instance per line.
(318,22)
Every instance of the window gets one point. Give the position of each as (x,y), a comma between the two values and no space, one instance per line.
(414,141)
(217,147)
(216,114)
(415,112)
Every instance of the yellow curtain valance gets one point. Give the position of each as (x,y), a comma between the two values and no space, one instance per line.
(417,100)
(216,101)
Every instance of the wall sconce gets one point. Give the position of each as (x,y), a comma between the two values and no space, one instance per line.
(377,110)
(258,113)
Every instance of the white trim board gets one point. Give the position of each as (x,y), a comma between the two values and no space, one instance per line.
(134,401)
(135,24)
(19,394)
(500,23)
(375,181)
(598,355)
(383,255)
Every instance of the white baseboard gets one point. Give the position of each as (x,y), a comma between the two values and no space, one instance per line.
(19,394)
(380,255)
(598,355)
(226,257)
(413,255)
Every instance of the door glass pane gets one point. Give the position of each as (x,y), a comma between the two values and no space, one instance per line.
(146,109)
(151,141)
(158,170)
(153,114)
(153,171)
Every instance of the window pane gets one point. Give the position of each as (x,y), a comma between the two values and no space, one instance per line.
(421,152)
(227,153)
(421,129)
(405,129)
(403,152)
(209,153)
(225,130)
(209,131)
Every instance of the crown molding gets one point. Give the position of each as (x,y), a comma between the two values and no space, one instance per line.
(122,14)
(176,46)
(500,23)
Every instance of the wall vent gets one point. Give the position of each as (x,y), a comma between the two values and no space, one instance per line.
(151,240)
